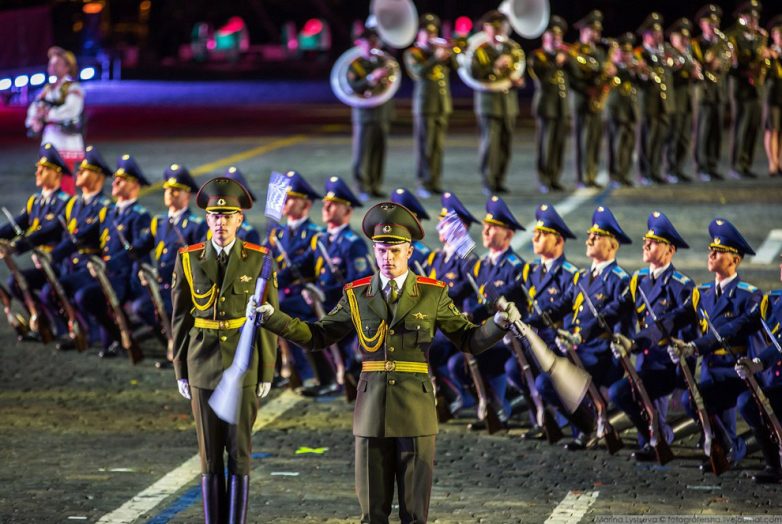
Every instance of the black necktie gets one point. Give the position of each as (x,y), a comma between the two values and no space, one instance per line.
(222,261)
(719,291)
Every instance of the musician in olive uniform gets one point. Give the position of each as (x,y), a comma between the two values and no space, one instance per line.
(368,74)
(657,100)
(396,315)
(429,62)
(497,110)
(622,106)
(708,49)
(212,283)
(587,84)
(772,140)
(550,68)
(750,66)
(686,74)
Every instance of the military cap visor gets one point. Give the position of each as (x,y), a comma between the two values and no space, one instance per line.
(709,11)
(224,196)
(44,162)
(390,223)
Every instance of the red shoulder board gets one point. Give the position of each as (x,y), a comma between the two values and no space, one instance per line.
(194,247)
(360,282)
(430,281)
(255,247)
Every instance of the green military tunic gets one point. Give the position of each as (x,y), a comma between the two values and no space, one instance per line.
(496,111)
(773,95)
(431,106)
(394,421)
(680,130)
(208,313)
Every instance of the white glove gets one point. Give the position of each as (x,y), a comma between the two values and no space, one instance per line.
(263,389)
(621,345)
(571,338)
(508,338)
(184,387)
(312,294)
(266,310)
(746,367)
(507,316)
(680,348)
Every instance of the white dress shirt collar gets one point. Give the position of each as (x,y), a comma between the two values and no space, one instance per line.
(400,281)
(655,273)
(601,266)
(294,224)
(725,282)
(219,249)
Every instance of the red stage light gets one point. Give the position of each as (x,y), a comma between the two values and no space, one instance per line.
(312,27)
(463,26)
(92,8)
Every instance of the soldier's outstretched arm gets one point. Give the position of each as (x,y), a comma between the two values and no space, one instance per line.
(466,336)
(333,327)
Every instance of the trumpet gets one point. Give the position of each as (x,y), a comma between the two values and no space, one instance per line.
(454,45)
(586,62)
(720,58)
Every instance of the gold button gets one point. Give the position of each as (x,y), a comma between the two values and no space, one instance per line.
(222,313)
(223,338)
(165,250)
(222,299)
(222,324)
(391,350)
(391,332)
(390,365)
(391,382)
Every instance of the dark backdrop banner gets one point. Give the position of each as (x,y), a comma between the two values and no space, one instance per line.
(27,35)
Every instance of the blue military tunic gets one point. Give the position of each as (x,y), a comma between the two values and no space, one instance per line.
(771,313)
(298,244)
(350,257)
(546,287)
(37,219)
(248,233)
(420,257)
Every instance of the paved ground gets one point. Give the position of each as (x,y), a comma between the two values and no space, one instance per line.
(81,436)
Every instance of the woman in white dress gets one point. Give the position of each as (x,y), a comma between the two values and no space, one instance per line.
(57,114)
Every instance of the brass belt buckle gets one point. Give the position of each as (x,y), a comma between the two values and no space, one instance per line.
(390,365)
(222,324)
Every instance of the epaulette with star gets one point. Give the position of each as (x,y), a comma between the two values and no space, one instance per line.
(255,247)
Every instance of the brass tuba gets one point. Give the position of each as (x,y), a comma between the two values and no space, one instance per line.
(528,18)
(396,21)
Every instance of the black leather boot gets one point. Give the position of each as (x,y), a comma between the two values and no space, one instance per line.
(772,472)
(238,495)
(210,496)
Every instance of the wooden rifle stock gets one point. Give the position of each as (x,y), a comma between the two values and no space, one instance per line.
(492,420)
(76,331)
(15,320)
(543,418)
(148,276)
(126,338)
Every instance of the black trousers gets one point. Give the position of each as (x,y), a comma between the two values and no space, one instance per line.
(380,461)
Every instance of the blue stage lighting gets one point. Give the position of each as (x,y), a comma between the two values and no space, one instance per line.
(21,81)
(5,84)
(88,73)
(37,79)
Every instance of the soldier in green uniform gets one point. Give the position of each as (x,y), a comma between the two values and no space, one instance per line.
(550,69)
(396,314)
(751,55)
(686,74)
(367,74)
(496,109)
(622,106)
(710,49)
(587,84)
(656,99)
(211,285)
(429,63)
(772,140)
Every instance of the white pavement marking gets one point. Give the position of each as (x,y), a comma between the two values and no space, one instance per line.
(147,499)
(771,246)
(564,208)
(572,508)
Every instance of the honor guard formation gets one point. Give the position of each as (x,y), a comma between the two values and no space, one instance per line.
(415,334)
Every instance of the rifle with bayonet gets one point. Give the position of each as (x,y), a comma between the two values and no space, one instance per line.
(150,279)
(38,321)
(764,406)
(656,439)
(712,448)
